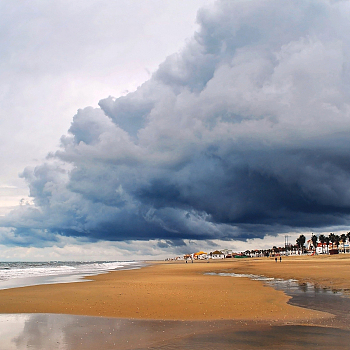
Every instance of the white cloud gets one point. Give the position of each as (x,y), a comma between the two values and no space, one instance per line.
(60,56)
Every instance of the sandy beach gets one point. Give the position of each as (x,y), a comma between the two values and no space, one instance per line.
(174,305)
(179,291)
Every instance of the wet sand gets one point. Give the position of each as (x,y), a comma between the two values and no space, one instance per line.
(68,332)
(166,291)
(323,270)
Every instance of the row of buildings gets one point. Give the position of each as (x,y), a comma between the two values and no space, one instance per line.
(217,254)
(321,248)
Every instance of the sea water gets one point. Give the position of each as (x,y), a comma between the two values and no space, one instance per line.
(21,274)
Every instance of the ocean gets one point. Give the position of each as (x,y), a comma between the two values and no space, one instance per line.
(22,274)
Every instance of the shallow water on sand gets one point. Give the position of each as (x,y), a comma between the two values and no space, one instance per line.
(309,296)
(67,332)
(313,297)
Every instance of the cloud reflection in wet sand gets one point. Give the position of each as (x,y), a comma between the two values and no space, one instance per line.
(68,332)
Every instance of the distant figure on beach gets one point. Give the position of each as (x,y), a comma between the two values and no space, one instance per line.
(280,259)
(276,259)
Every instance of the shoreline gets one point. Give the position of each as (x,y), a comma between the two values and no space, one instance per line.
(63,272)
(176,291)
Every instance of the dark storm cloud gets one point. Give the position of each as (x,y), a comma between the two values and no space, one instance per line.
(244,133)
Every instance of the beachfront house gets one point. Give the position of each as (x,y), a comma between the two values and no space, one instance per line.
(320,249)
(217,254)
(311,249)
(344,246)
(309,245)
(228,253)
(187,257)
(200,256)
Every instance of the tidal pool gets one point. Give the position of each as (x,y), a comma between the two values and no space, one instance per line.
(308,295)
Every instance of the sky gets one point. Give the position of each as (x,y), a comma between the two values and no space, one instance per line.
(140,130)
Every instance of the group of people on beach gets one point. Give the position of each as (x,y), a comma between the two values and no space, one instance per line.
(280,259)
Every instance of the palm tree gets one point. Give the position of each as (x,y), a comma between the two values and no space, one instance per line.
(322,239)
(343,239)
(327,244)
(300,242)
(337,240)
(332,238)
(314,241)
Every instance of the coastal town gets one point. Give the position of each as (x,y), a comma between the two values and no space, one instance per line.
(317,244)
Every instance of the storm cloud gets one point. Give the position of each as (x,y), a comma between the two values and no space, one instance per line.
(244,132)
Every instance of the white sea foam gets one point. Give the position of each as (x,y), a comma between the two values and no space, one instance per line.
(18,274)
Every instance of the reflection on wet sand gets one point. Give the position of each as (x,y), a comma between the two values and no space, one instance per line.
(67,332)
(309,296)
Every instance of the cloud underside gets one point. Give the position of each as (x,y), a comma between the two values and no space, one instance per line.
(245,132)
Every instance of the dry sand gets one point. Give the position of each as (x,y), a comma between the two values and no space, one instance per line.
(179,291)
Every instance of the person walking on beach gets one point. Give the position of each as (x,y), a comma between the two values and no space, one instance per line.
(280,259)
(276,258)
